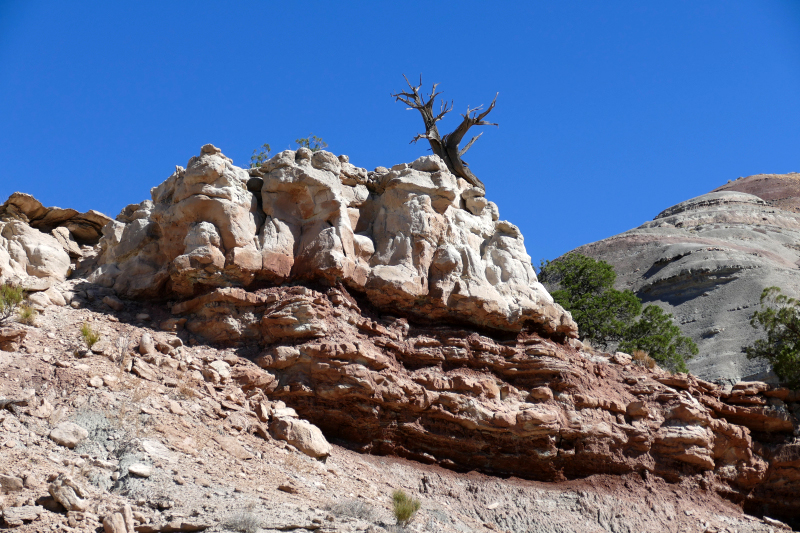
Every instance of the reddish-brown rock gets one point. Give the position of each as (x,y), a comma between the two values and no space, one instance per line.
(519,405)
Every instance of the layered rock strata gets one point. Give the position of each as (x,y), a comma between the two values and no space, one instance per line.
(778,190)
(413,239)
(394,311)
(706,261)
(519,405)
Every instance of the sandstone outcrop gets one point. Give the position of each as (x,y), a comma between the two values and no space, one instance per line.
(706,261)
(393,313)
(39,244)
(521,405)
(414,239)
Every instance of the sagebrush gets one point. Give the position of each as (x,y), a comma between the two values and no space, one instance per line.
(10,298)
(404,507)
(26,315)
(642,358)
(90,336)
(244,522)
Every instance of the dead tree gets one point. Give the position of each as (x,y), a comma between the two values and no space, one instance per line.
(446,147)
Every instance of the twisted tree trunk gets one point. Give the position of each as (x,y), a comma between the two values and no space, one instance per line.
(446,147)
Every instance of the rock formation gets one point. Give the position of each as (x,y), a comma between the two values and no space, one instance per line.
(706,261)
(414,239)
(39,246)
(394,312)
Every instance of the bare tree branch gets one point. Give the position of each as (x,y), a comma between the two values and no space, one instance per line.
(446,147)
(469,144)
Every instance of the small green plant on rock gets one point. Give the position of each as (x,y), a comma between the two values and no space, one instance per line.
(312,142)
(260,155)
(90,336)
(10,298)
(404,507)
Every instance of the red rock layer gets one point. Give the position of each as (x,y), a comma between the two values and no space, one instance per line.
(521,405)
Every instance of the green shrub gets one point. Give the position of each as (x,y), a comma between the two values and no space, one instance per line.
(26,315)
(655,333)
(585,287)
(312,142)
(779,317)
(404,507)
(10,298)
(260,155)
(607,316)
(90,337)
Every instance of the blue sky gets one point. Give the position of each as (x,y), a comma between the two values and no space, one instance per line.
(609,112)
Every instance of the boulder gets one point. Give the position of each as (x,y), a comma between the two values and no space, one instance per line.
(140,470)
(147,345)
(27,252)
(85,228)
(303,435)
(11,337)
(114,303)
(10,483)
(68,493)
(68,434)
(17,516)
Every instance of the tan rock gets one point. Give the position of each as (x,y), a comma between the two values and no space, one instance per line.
(55,297)
(10,484)
(302,435)
(147,345)
(68,493)
(140,470)
(39,300)
(637,409)
(114,523)
(17,516)
(114,303)
(231,446)
(27,252)
(404,238)
(11,337)
(68,434)
(222,368)
(144,370)
(67,241)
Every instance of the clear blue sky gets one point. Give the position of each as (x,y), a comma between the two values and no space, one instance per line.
(609,112)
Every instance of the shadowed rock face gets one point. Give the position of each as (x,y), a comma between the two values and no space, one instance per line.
(414,239)
(706,261)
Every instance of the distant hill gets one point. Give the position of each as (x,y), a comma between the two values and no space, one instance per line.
(778,190)
(706,261)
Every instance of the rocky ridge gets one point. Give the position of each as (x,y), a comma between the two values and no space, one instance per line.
(706,261)
(413,239)
(459,366)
